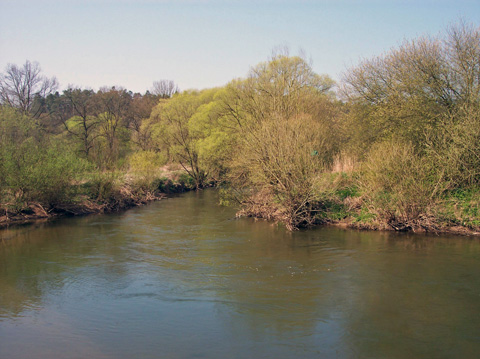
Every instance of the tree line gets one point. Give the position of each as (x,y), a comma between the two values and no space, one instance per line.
(396,144)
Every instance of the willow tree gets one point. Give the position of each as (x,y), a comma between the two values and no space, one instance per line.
(172,124)
(285,138)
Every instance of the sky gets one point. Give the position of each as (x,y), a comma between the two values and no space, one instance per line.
(207,43)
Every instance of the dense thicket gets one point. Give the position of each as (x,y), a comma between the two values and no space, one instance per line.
(57,150)
(284,117)
(415,120)
(396,146)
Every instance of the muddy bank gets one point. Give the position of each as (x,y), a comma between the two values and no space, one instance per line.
(436,230)
(326,217)
(121,200)
(106,194)
(126,197)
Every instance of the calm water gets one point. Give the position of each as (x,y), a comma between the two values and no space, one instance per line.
(182,279)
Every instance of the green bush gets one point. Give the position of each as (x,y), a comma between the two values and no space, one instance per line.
(144,168)
(186,181)
(165,185)
(398,185)
(39,172)
(146,162)
(182,183)
(101,186)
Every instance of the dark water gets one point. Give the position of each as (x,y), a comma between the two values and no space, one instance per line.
(182,279)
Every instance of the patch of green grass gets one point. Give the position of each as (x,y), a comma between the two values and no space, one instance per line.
(364,216)
(351,191)
(186,181)
(332,211)
(460,207)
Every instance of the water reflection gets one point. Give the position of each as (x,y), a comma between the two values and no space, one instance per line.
(182,278)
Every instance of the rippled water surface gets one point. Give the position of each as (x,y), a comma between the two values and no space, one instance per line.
(181,278)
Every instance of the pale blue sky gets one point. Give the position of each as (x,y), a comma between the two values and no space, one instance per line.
(207,43)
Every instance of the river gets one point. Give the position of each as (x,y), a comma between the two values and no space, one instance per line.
(182,278)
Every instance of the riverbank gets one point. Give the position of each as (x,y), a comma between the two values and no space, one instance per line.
(344,205)
(345,213)
(124,199)
(103,194)
(352,223)
(437,230)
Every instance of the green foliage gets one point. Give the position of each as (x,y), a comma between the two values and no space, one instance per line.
(176,125)
(35,168)
(414,118)
(346,192)
(411,91)
(215,138)
(456,146)
(399,185)
(186,181)
(460,207)
(276,160)
(182,183)
(401,150)
(284,124)
(144,162)
(364,216)
(166,185)
(144,167)
(101,186)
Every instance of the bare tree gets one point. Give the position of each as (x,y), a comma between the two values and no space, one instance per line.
(140,110)
(411,90)
(80,117)
(114,112)
(20,87)
(164,88)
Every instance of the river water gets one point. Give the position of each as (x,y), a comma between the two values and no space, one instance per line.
(181,278)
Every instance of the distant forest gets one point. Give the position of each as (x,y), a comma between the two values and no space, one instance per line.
(394,145)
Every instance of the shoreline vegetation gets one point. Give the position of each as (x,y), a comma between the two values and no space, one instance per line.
(395,145)
(112,193)
(124,197)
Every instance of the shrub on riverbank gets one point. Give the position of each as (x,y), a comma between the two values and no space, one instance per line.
(33,167)
(399,186)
